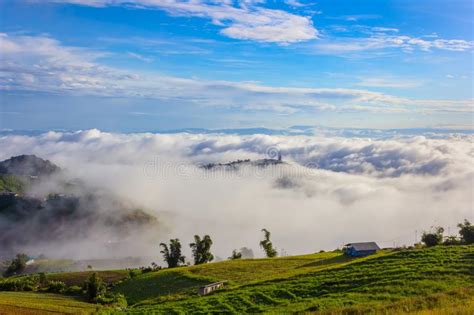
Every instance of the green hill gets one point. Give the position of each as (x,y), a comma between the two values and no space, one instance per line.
(438,280)
(405,280)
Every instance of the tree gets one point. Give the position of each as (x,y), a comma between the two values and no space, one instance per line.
(267,245)
(433,238)
(235,255)
(172,254)
(466,230)
(451,240)
(202,249)
(17,265)
(94,287)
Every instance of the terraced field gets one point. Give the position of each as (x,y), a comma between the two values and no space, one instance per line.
(407,280)
(24,303)
(437,280)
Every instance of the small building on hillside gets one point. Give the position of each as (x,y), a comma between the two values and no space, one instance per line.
(210,287)
(360,249)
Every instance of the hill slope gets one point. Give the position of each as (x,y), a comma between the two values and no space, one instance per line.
(403,280)
(437,280)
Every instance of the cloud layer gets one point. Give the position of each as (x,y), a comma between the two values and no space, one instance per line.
(333,190)
(247,20)
(42,64)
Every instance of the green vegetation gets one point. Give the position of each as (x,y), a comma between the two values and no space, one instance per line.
(94,289)
(78,278)
(172,254)
(267,245)
(11,183)
(202,249)
(409,280)
(17,265)
(435,279)
(466,230)
(28,303)
(434,237)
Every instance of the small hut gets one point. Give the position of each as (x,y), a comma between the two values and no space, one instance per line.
(210,287)
(360,249)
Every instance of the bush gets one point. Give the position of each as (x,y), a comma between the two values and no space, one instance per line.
(73,290)
(29,283)
(111,298)
(43,281)
(56,286)
(94,287)
(132,273)
(433,238)
(451,240)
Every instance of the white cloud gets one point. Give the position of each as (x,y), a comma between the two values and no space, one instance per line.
(140,57)
(42,64)
(249,21)
(295,3)
(385,40)
(399,184)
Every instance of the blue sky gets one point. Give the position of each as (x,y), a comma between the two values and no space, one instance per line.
(166,64)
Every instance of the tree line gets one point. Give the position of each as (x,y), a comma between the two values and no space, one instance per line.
(201,250)
(436,235)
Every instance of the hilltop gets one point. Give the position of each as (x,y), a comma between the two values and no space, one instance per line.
(28,165)
(234,165)
(438,279)
(53,211)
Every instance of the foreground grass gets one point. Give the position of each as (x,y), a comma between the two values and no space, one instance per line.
(371,283)
(435,280)
(179,283)
(42,303)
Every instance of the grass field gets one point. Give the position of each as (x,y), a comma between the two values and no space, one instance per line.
(437,280)
(25,303)
(326,283)
(78,278)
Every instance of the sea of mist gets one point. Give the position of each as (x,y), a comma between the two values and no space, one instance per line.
(331,190)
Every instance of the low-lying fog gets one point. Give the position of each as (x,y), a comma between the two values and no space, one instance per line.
(332,190)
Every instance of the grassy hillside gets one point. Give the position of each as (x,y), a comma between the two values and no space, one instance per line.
(435,280)
(23,303)
(78,278)
(405,280)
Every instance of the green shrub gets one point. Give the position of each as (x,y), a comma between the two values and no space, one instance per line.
(73,290)
(94,287)
(43,281)
(112,298)
(134,272)
(56,286)
(434,237)
(29,283)
(451,240)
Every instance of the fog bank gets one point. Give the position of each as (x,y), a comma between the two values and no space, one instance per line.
(332,190)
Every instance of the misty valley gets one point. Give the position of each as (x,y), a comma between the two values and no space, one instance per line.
(237,157)
(205,226)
